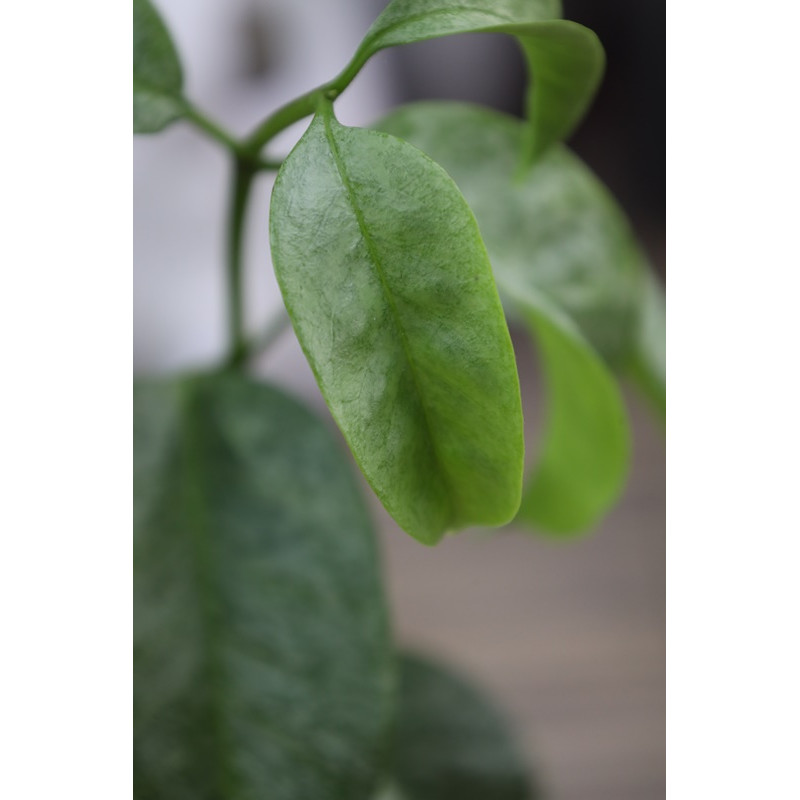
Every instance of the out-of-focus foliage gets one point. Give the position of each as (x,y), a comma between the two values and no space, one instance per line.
(262,660)
(450,742)
(568,266)
(565,60)
(157,73)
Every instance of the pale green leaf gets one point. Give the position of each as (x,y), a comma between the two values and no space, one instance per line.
(569,267)
(262,661)
(584,454)
(157,74)
(391,295)
(566,60)
(450,742)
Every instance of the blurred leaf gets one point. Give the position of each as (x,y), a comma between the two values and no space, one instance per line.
(649,358)
(566,60)
(566,261)
(584,455)
(556,231)
(450,742)
(262,661)
(157,74)
(387,282)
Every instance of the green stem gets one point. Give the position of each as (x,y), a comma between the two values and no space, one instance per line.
(211,129)
(264,164)
(243,174)
(300,107)
(285,116)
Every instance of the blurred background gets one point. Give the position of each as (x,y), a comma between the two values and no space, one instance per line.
(568,638)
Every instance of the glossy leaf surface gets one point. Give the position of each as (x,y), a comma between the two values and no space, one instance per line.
(566,262)
(450,742)
(391,295)
(262,662)
(648,364)
(157,74)
(555,231)
(566,60)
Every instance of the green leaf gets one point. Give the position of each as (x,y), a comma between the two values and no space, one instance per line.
(450,742)
(566,261)
(566,60)
(648,365)
(391,295)
(585,452)
(157,74)
(555,231)
(262,661)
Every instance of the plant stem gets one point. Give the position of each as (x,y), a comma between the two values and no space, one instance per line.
(300,107)
(210,128)
(284,117)
(243,174)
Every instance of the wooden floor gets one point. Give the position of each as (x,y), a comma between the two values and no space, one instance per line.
(567,637)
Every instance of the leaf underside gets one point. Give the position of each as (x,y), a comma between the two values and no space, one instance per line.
(391,295)
(262,662)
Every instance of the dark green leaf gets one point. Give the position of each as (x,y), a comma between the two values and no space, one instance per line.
(262,663)
(563,256)
(648,364)
(556,231)
(584,455)
(387,282)
(566,60)
(450,743)
(157,75)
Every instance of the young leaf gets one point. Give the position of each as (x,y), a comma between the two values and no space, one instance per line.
(648,361)
(450,743)
(391,295)
(583,459)
(566,60)
(262,662)
(566,261)
(157,74)
(555,231)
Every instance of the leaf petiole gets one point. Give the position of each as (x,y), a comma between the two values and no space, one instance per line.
(211,128)
(242,182)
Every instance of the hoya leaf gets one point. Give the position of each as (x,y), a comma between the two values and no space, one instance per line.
(584,455)
(648,357)
(450,742)
(262,662)
(556,231)
(157,74)
(391,295)
(566,60)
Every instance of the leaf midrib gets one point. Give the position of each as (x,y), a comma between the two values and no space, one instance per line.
(209,586)
(439,12)
(376,262)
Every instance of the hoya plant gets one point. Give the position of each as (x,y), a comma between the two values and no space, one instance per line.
(264,665)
